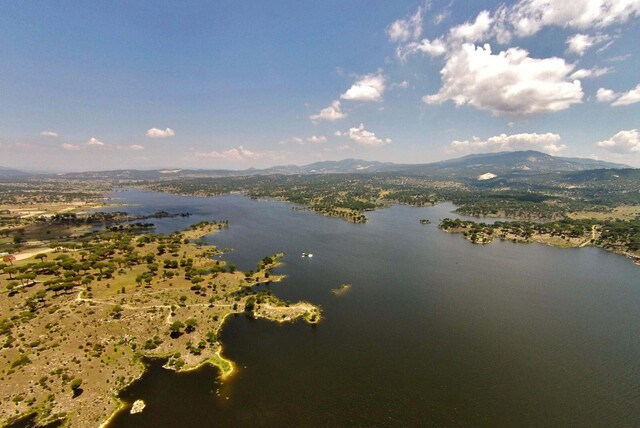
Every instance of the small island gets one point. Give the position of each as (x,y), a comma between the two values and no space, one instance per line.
(342,290)
(137,407)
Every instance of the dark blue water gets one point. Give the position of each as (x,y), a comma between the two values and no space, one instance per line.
(435,331)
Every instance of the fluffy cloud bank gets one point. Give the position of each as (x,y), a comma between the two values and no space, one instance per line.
(91,142)
(331,113)
(527,17)
(546,142)
(624,142)
(160,133)
(235,154)
(504,83)
(361,136)
(522,19)
(368,88)
(507,83)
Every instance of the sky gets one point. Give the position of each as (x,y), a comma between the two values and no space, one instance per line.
(226,84)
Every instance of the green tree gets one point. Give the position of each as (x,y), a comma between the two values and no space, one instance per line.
(191,325)
(250,305)
(175,327)
(116,312)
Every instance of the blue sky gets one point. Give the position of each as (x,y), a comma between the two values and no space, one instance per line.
(227,84)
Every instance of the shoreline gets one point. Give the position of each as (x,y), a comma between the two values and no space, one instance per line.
(484,238)
(223,372)
(123,322)
(385,203)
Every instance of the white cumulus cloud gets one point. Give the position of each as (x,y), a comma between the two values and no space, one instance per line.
(292,140)
(402,85)
(331,113)
(317,139)
(437,20)
(547,142)
(94,142)
(368,88)
(71,147)
(361,136)
(580,43)
(630,97)
(408,28)
(432,48)
(527,17)
(587,73)
(160,133)
(480,29)
(624,142)
(477,30)
(605,95)
(136,147)
(618,99)
(49,134)
(507,83)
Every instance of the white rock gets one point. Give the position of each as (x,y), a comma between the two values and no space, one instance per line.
(138,407)
(487,176)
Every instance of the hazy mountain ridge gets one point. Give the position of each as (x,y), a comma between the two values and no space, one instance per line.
(497,163)
(11,172)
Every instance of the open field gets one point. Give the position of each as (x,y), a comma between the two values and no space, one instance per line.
(623,212)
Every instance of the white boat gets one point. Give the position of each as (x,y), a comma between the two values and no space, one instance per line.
(307,255)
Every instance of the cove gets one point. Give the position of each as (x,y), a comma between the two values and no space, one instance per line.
(435,331)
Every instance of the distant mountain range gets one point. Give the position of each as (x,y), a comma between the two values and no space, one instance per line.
(520,162)
(10,172)
(326,167)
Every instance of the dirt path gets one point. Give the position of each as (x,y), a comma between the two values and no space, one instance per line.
(79,298)
(593,237)
(31,253)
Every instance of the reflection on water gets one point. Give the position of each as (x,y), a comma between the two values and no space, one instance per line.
(435,331)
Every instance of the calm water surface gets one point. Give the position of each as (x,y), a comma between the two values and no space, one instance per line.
(435,331)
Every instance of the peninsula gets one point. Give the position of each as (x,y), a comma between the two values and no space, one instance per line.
(619,236)
(78,317)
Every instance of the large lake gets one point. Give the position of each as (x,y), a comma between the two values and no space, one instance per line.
(435,331)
